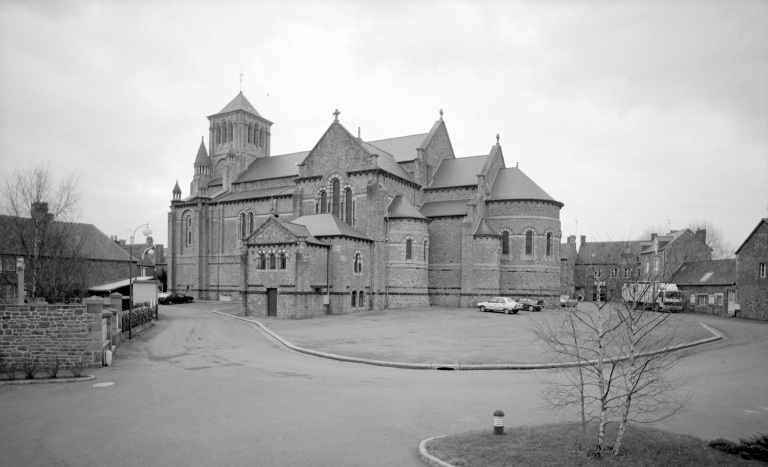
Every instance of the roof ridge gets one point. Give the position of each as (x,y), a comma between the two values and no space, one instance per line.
(396,137)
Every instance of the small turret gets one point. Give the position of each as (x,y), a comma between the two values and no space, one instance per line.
(202,171)
(177,192)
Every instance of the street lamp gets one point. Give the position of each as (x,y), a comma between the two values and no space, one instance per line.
(147,231)
(150,253)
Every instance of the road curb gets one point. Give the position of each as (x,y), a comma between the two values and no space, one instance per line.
(457,366)
(429,458)
(47,381)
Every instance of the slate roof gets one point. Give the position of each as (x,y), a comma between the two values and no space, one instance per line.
(457,207)
(109,287)
(302,231)
(328,225)
(265,168)
(513,184)
(763,220)
(485,230)
(386,162)
(462,171)
(238,103)
(257,194)
(713,272)
(216,182)
(402,148)
(202,155)
(401,208)
(608,252)
(96,245)
(664,240)
(567,249)
(177,189)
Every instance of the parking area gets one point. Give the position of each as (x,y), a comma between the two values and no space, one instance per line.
(435,335)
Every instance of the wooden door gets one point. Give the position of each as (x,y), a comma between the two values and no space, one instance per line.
(271,302)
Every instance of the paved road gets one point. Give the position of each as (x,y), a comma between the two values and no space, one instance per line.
(200,390)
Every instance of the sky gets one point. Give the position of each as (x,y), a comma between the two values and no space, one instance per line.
(634,114)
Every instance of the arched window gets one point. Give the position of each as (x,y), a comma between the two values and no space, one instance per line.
(505,242)
(409,249)
(549,243)
(243,227)
(189,230)
(335,197)
(358,263)
(250,223)
(231,132)
(262,261)
(348,205)
(529,243)
(261,138)
(283,262)
(426,250)
(360,299)
(323,202)
(218,134)
(189,238)
(272,264)
(354,298)
(250,133)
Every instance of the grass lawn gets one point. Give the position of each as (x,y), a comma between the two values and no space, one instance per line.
(562,446)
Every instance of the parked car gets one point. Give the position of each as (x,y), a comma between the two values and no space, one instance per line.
(531,304)
(565,300)
(505,304)
(172,298)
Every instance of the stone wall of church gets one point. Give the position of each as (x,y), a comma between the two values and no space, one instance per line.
(449,194)
(485,270)
(445,243)
(408,277)
(259,184)
(185,275)
(344,280)
(438,148)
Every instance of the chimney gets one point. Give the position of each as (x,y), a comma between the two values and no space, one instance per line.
(653,236)
(701,234)
(122,242)
(583,239)
(572,239)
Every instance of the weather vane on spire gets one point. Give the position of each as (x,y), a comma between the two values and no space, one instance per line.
(241,82)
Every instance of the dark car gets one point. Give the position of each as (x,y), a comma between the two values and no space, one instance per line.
(531,304)
(172,298)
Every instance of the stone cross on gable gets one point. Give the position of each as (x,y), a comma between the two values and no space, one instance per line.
(336,115)
(441,114)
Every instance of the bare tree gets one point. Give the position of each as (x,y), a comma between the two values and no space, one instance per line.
(35,205)
(721,249)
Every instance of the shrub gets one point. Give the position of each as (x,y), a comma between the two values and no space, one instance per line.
(9,369)
(724,445)
(78,365)
(755,448)
(30,367)
(53,366)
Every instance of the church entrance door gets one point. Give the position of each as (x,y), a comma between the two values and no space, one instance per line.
(271,302)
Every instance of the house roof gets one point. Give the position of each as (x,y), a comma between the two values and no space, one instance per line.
(94,243)
(302,231)
(202,155)
(238,103)
(401,208)
(566,250)
(265,168)
(713,272)
(485,230)
(462,171)
(109,287)
(328,225)
(257,194)
(513,184)
(402,148)
(608,252)
(456,207)
(763,220)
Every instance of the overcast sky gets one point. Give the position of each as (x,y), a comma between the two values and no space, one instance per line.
(633,114)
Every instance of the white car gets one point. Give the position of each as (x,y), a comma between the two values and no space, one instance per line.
(505,304)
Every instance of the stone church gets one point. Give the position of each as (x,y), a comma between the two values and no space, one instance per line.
(356,225)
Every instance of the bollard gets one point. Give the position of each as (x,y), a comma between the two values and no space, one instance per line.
(498,422)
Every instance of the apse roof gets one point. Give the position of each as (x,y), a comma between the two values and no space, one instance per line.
(462,171)
(513,184)
(401,208)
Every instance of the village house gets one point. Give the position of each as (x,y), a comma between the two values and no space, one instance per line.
(708,286)
(752,273)
(353,224)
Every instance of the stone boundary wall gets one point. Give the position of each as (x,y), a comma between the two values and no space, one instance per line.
(43,331)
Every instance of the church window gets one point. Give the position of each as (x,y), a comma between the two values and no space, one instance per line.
(409,249)
(358,263)
(529,242)
(250,133)
(336,197)
(348,205)
(262,261)
(323,203)
(242,225)
(250,223)
(505,242)
(549,243)
(426,250)
(271,261)
(231,132)
(283,262)
(360,299)
(189,230)
(218,134)
(261,137)
(354,298)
